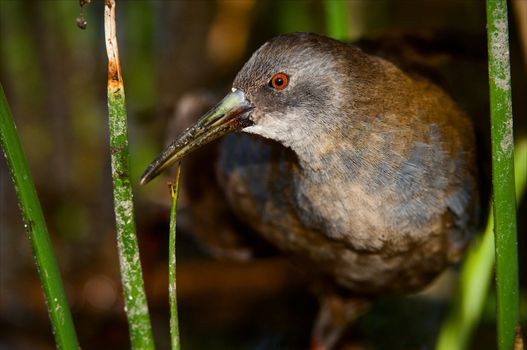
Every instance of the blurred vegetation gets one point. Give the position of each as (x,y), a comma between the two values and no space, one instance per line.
(468,303)
(54,76)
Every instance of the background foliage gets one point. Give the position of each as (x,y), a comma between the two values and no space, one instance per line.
(54,76)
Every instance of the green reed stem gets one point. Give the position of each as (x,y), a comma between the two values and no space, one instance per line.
(507,285)
(131,273)
(172,294)
(35,225)
(476,275)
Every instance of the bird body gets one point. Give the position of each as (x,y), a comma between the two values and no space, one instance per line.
(364,172)
(376,187)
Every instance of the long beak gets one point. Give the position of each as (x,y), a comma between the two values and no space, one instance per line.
(231,114)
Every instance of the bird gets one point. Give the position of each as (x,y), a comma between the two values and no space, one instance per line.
(363,172)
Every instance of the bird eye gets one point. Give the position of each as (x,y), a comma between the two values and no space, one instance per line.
(279,81)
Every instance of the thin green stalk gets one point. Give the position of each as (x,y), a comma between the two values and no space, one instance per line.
(467,306)
(35,224)
(468,303)
(172,294)
(336,19)
(131,273)
(507,286)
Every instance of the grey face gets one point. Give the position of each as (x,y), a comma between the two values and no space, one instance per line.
(285,110)
(282,113)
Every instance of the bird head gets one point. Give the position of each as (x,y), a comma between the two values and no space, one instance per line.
(281,93)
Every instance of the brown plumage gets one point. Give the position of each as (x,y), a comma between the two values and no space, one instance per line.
(361,171)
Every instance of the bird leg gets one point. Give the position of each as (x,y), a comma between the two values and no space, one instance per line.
(336,314)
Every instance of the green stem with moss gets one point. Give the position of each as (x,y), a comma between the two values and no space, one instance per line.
(35,224)
(499,242)
(131,273)
(507,285)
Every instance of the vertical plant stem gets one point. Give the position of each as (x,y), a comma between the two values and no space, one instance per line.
(131,274)
(468,303)
(172,294)
(503,173)
(336,19)
(57,303)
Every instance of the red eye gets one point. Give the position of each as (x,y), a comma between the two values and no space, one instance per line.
(279,81)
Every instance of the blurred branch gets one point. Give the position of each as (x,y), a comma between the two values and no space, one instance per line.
(244,284)
(131,273)
(35,225)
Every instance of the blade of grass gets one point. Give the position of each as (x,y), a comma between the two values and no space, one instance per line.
(172,294)
(336,19)
(476,274)
(35,225)
(507,285)
(131,273)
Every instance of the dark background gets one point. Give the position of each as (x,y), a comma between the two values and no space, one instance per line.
(54,75)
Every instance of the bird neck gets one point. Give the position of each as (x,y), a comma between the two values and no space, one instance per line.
(326,149)
(313,149)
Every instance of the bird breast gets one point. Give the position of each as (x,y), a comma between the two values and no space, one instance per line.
(381,204)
